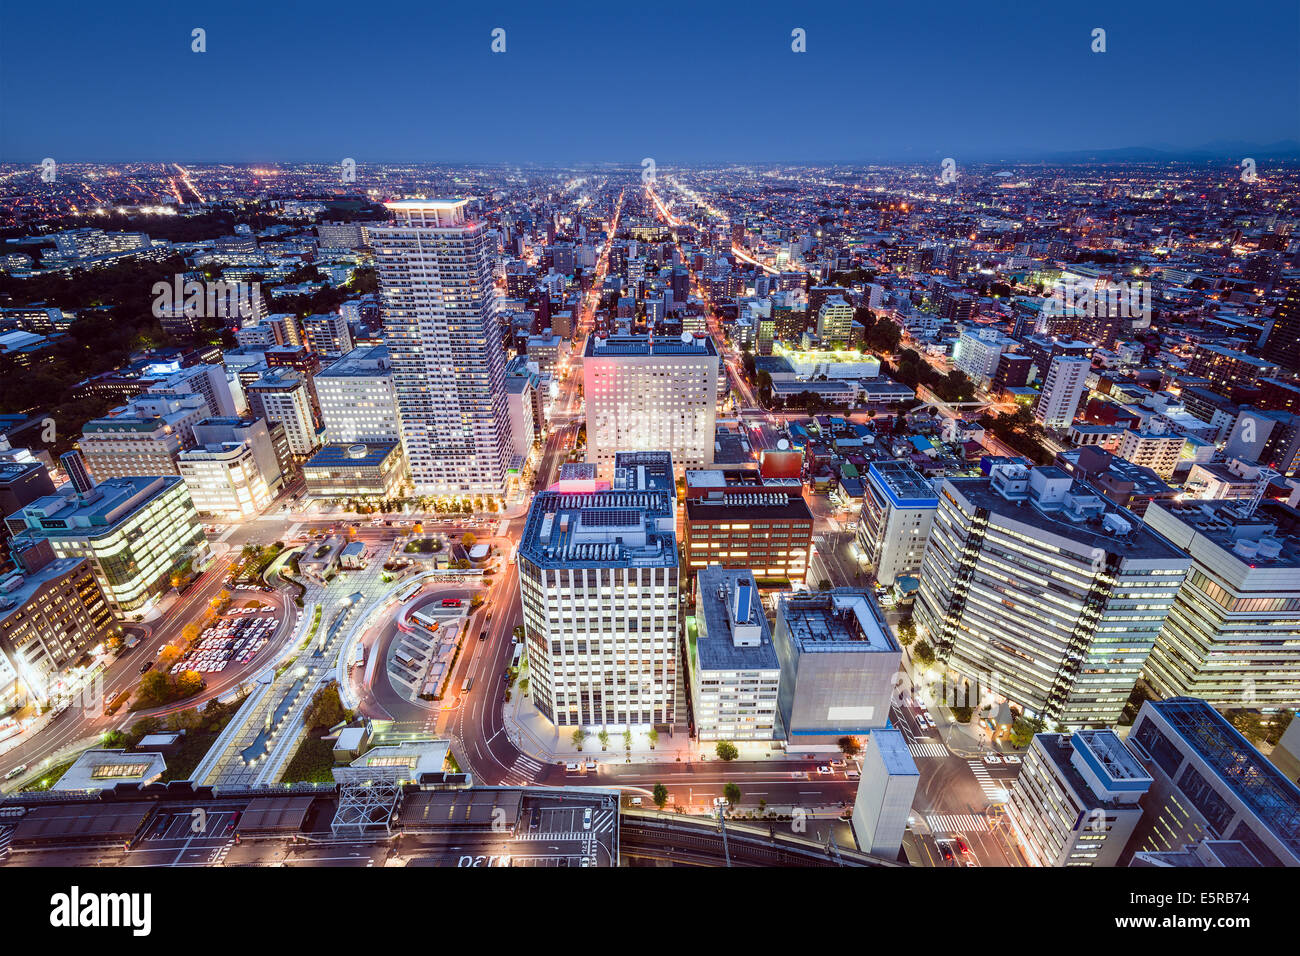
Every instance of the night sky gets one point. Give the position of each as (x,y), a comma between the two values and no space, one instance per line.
(618,81)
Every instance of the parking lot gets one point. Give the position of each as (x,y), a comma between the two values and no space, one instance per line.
(232,640)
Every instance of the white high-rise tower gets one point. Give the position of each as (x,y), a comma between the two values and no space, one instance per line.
(435,274)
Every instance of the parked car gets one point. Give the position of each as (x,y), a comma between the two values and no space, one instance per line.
(571,767)
(992,758)
(1010,758)
(586,819)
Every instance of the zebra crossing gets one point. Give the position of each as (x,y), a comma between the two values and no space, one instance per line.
(957,823)
(574,835)
(928,750)
(523,771)
(6,838)
(995,791)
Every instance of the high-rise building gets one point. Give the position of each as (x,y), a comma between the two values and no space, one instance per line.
(734,670)
(835,322)
(1076,800)
(135,531)
(897,512)
(597,571)
(51,613)
(1034,586)
(1231,635)
(838,664)
(646,392)
(280,396)
(328,335)
(1210,784)
(357,399)
(979,350)
(1282,347)
(1158,450)
(435,273)
(1063,386)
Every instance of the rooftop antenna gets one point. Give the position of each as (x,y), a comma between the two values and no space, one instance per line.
(1265,476)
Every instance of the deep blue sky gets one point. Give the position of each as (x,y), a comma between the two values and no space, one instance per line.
(617,81)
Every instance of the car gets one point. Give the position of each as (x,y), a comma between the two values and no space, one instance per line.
(946,850)
(571,768)
(992,758)
(635,801)
(145,666)
(21,768)
(1010,758)
(852,774)
(586,819)
(962,846)
(823,768)
(591,765)
(839,764)
(482,635)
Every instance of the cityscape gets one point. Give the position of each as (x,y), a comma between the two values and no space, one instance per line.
(926,513)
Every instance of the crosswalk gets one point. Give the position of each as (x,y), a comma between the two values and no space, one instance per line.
(6,838)
(957,823)
(523,771)
(995,791)
(928,750)
(555,836)
(602,821)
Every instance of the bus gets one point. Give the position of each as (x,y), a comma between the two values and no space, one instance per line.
(469,682)
(359,655)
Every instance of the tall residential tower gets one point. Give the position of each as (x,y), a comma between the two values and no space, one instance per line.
(435,272)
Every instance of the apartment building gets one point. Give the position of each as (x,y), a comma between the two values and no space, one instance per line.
(898,510)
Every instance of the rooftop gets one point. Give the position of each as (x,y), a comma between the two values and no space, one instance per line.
(716,648)
(352,455)
(619,346)
(631,524)
(904,485)
(834,621)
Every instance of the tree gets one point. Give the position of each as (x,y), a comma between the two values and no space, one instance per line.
(1023,730)
(468,540)
(726,750)
(603,737)
(849,746)
(627,740)
(654,737)
(579,735)
(326,708)
(923,654)
(732,792)
(907,633)
(660,795)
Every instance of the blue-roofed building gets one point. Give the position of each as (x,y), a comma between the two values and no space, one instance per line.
(1211,783)
(898,508)
(359,470)
(735,672)
(598,579)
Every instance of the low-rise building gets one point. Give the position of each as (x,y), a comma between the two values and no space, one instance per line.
(358,470)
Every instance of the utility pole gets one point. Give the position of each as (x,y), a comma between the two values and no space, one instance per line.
(722,827)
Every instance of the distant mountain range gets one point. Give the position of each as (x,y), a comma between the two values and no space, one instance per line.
(1283,150)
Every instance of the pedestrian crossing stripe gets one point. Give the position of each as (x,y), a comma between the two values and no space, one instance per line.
(995,791)
(957,823)
(928,750)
